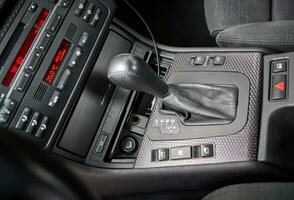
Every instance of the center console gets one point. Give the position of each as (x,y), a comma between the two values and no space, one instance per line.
(236,141)
(55,92)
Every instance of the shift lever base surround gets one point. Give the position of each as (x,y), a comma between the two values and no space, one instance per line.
(191,131)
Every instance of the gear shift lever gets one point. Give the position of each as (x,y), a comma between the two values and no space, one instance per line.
(132,72)
(195,104)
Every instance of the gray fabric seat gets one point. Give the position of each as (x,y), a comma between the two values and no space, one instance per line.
(252,23)
(254,191)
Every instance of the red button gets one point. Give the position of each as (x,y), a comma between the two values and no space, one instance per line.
(281,86)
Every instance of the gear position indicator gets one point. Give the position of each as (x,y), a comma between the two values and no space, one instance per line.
(167,125)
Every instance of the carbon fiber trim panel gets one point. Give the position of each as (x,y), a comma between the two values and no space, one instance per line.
(242,146)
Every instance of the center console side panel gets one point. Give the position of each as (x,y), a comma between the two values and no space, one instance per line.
(277,128)
(91,107)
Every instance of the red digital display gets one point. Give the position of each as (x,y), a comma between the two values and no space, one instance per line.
(23,51)
(20,57)
(56,63)
(42,17)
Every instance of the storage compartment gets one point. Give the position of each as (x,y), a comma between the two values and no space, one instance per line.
(94,100)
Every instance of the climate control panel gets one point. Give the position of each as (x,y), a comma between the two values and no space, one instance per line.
(45,58)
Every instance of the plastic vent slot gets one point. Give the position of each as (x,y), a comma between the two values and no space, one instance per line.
(71,31)
(41,91)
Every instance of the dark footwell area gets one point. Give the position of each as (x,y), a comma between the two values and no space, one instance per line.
(173,22)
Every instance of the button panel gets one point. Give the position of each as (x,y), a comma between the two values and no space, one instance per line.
(45,33)
(88,12)
(185,152)
(35,59)
(34,123)
(208,60)
(279,80)
(34,100)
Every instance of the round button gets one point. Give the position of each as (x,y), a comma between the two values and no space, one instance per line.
(129,145)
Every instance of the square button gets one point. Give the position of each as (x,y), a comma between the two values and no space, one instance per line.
(179,153)
(199,60)
(101,143)
(196,152)
(206,150)
(279,66)
(219,60)
(279,87)
(163,154)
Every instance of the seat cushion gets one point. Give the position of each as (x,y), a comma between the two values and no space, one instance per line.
(254,191)
(223,14)
(277,35)
(282,10)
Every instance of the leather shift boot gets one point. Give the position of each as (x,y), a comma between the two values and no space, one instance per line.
(198,104)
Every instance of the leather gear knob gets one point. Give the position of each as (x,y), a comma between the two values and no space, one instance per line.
(132,72)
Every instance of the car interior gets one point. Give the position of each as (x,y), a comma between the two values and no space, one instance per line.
(147,99)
